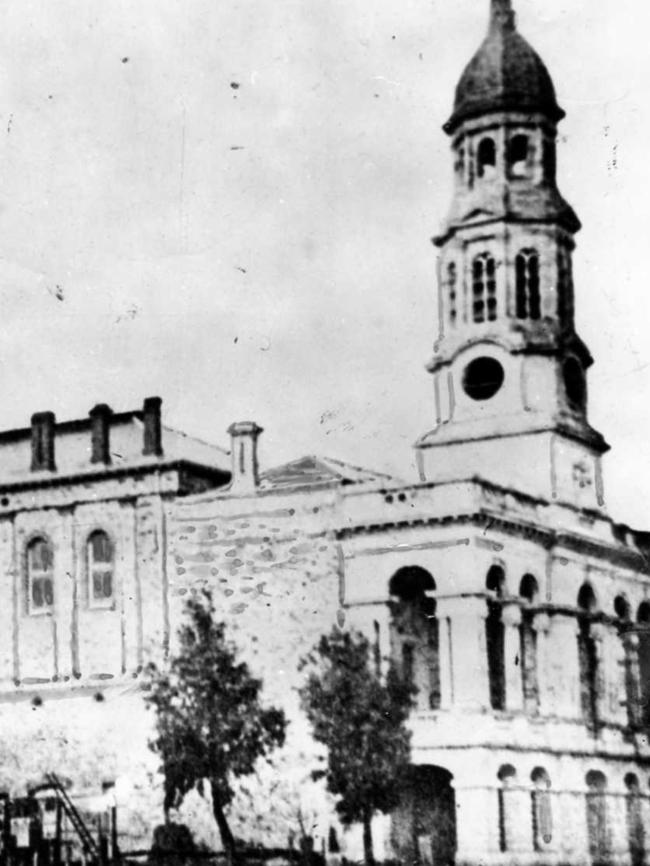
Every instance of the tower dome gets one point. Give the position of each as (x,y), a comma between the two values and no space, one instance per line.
(505,74)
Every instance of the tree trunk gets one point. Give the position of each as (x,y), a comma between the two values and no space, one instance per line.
(367,838)
(227,838)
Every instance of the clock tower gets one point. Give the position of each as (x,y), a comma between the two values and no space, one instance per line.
(509,369)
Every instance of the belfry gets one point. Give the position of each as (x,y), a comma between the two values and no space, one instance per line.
(509,369)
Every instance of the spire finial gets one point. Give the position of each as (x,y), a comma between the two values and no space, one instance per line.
(502,16)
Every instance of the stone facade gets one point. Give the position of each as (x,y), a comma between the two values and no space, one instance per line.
(497,580)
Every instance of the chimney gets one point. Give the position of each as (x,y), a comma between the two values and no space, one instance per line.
(243,448)
(43,424)
(100,434)
(152,446)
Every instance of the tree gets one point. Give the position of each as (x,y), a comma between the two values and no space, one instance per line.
(210,724)
(360,718)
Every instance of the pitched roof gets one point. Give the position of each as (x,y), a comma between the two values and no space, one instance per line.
(73,450)
(314,471)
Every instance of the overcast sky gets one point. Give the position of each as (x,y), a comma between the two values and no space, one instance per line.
(230,203)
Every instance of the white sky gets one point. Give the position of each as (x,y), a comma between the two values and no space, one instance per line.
(263,252)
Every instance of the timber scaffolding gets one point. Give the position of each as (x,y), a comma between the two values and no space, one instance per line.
(47,829)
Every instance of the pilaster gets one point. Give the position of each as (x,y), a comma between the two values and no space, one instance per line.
(563,682)
(511,617)
(467,656)
(542,626)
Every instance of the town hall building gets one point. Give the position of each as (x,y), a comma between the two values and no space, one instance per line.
(496,579)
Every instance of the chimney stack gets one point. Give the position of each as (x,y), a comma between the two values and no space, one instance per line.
(243,448)
(100,434)
(152,446)
(43,425)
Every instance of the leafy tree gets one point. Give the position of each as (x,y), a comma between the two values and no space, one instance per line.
(361,719)
(210,725)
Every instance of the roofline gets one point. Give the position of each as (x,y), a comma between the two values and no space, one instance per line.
(484,517)
(56,480)
(554,113)
(74,426)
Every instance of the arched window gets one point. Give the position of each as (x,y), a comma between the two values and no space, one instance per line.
(507,775)
(518,149)
(635,828)
(587,656)
(643,621)
(494,635)
(529,591)
(452,292)
(527,285)
(542,813)
(415,634)
(100,568)
(622,609)
(486,158)
(597,824)
(529,588)
(484,288)
(40,576)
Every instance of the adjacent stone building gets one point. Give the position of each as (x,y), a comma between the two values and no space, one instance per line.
(497,579)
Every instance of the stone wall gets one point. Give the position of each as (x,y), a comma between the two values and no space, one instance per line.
(274,570)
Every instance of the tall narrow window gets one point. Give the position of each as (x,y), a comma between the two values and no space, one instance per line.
(630,669)
(643,623)
(484,288)
(634,814)
(486,159)
(564,287)
(40,576)
(542,813)
(528,299)
(549,160)
(452,290)
(100,569)
(587,656)
(414,633)
(528,590)
(494,638)
(597,824)
(507,807)
(518,149)
(460,163)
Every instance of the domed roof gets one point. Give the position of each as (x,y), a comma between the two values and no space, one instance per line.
(505,74)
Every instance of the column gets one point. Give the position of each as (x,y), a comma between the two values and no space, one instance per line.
(445,610)
(570,825)
(511,617)
(611,698)
(542,625)
(562,667)
(477,828)
(618,826)
(465,657)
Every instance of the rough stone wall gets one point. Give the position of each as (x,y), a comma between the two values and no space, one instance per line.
(275,572)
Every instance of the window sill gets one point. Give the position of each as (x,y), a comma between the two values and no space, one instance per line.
(102,605)
(40,613)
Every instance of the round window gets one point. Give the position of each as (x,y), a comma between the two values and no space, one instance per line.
(574,382)
(482,379)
